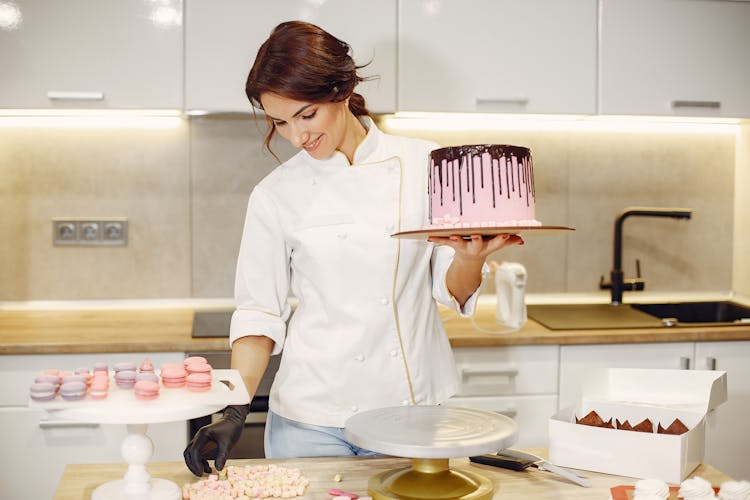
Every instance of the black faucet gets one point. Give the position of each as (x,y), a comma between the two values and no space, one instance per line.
(618,283)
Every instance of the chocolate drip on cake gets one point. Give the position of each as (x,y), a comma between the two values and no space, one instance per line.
(510,170)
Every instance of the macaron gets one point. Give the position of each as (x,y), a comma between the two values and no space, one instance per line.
(146,389)
(123,367)
(125,379)
(98,388)
(50,379)
(75,378)
(72,391)
(42,391)
(146,366)
(150,376)
(198,368)
(173,376)
(100,366)
(198,382)
(194,359)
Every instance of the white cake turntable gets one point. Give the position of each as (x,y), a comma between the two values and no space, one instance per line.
(430,436)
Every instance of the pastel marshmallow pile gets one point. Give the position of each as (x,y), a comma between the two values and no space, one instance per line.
(260,481)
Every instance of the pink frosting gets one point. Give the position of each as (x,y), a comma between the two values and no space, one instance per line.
(481,186)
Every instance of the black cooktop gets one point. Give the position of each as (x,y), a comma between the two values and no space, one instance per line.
(211,323)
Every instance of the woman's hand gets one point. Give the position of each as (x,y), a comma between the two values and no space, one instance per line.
(465,274)
(477,248)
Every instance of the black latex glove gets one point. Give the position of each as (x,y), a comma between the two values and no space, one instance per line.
(214,441)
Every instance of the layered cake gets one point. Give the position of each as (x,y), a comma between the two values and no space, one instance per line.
(483,185)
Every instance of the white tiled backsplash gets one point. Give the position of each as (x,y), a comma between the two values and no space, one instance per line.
(184,192)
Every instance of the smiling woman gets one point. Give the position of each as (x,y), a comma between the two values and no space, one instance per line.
(300,64)
(366,333)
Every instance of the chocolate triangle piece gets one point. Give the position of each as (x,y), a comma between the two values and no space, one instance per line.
(624,425)
(607,424)
(676,427)
(645,426)
(591,418)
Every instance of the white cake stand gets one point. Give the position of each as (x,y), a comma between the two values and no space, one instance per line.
(121,407)
(430,435)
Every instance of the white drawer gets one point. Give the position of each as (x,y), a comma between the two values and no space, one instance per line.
(506,371)
(17,372)
(531,413)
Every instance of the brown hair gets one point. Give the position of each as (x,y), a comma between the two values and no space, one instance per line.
(303,62)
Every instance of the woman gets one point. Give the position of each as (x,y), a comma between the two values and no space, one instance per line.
(366,332)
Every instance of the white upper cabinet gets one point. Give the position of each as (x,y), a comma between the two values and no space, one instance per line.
(222,39)
(91,54)
(517,56)
(675,57)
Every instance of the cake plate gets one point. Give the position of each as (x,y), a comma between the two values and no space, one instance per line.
(121,407)
(422,234)
(430,435)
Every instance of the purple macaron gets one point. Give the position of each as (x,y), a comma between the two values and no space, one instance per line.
(150,376)
(125,379)
(42,391)
(72,391)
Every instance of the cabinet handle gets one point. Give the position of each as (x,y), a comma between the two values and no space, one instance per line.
(696,104)
(65,424)
(516,101)
(711,363)
(684,363)
(510,412)
(468,372)
(62,95)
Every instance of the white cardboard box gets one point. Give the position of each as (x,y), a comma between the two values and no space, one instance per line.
(635,394)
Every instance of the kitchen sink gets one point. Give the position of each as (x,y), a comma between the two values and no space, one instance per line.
(713,312)
(608,316)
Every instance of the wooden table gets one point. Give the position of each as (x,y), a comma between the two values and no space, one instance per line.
(79,481)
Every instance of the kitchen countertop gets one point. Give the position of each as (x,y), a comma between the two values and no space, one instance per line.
(79,481)
(165,326)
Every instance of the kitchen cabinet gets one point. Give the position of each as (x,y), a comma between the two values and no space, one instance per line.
(518,381)
(727,433)
(37,446)
(511,56)
(222,39)
(92,54)
(675,57)
(578,362)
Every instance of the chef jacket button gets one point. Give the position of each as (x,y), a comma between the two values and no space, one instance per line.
(394,353)
(405,402)
(354,408)
(359,357)
(341,235)
(384,301)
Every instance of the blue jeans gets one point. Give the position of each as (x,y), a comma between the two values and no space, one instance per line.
(286,438)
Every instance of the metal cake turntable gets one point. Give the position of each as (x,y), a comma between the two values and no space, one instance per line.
(430,436)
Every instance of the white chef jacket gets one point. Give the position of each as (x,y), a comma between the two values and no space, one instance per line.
(366,332)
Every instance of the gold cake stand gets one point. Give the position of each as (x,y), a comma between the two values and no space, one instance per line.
(430,436)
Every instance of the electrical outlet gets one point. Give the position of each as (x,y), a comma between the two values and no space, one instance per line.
(64,232)
(88,231)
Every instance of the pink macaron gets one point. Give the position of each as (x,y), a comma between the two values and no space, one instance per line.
(146,389)
(198,368)
(173,376)
(199,382)
(194,359)
(99,388)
